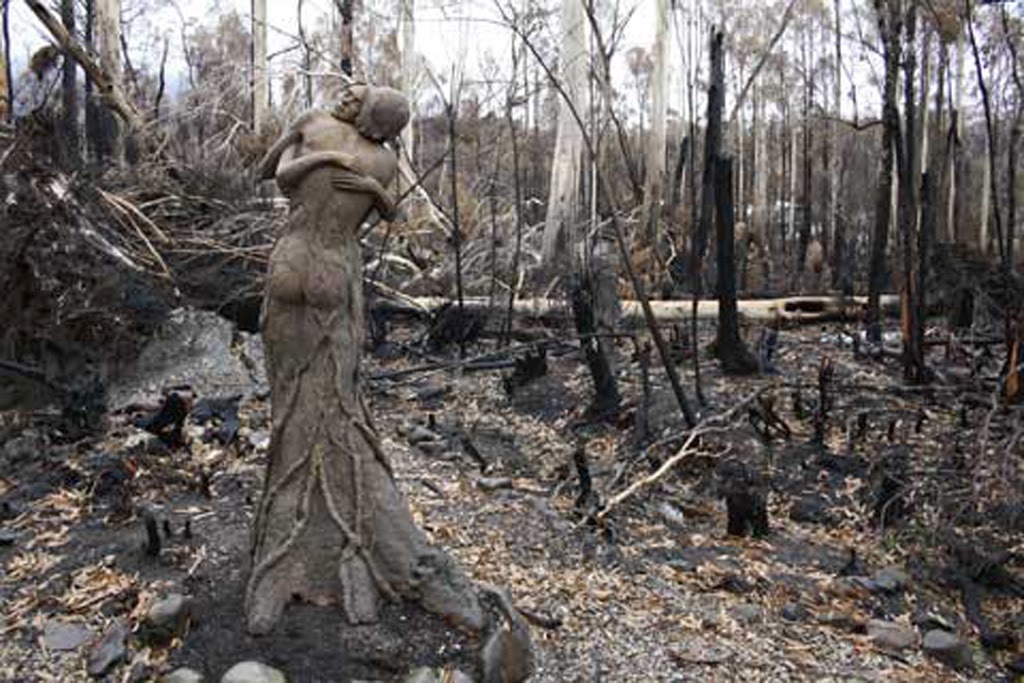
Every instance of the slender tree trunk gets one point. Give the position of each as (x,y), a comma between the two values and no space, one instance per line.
(93,131)
(890,28)
(6,77)
(729,346)
(69,93)
(107,35)
(805,222)
(347,47)
(260,84)
(518,196)
(712,146)
(654,187)
(1016,131)
(990,131)
(410,68)
(955,207)
(560,226)
(837,228)
(910,173)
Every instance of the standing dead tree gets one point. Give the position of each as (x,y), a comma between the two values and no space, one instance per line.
(620,238)
(736,359)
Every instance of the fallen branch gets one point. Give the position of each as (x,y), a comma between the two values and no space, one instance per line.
(690,447)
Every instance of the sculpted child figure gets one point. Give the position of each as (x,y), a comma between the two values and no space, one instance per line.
(331,526)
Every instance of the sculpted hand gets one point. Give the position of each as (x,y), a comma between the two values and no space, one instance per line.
(346,181)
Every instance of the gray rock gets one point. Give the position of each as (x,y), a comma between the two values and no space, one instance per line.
(419,434)
(109,650)
(422,675)
(889,635)
(746,613)
(252,672)
(27,445)
(948,649)
(812,508)
(7,537)
(494,483)
(167,618)
(182,675)
(65,637)
(891,579)
(792,611)
(195,348)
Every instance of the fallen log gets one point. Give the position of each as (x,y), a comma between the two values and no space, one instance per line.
(791,310)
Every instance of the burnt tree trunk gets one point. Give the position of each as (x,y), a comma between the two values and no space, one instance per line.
(736,359)
(69,94)
(584,309)
(890,27)
(712,145)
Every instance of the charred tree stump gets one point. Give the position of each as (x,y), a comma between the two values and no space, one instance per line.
(746,499)
(606,391)
(889,483)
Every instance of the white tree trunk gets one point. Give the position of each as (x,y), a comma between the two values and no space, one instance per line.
(654,184)
(560,226)
(837,114)
(955,231)
(108,45)
(260,84)
(986,181)
(410,72)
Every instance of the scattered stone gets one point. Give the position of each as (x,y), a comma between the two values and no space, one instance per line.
(792,611)
(701,652)
(494,483)
(422,675)
(746,613)
(252,672)
(845,622)
(64,637)
(891,579)
(167,618)
(811,508)
(673,515)
(889,635)
(419,434)
(7,537)
(182,675)
(948,649)
(109,649)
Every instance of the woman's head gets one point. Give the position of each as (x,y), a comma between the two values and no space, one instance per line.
(384,113)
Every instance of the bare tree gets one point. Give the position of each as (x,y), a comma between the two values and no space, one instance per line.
(107,37)
(654,185)
(560,224)
(260,84)
(890,27)
(69,93)
(6,78)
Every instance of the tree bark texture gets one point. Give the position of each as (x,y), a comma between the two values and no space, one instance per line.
(260,84)
(890,28)
(712,145)
(332,526)
(560,225)
(69,93)
(729,346)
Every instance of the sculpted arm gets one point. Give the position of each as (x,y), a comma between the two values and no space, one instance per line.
(268,165)
(291,172)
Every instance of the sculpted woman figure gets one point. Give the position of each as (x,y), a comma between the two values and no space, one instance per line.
(331,526)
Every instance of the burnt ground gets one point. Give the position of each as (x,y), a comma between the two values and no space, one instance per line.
(656,591)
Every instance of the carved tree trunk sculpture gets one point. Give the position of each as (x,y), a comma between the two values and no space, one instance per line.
(332,527)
